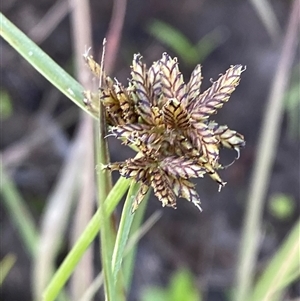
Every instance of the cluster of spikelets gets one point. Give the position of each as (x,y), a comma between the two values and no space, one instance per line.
(167,121)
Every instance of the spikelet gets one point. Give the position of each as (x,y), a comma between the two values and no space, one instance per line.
(92,64)
(175,116)
(228,138)
(185,189)
(144,188)
(139,90)
(212,171)
(154,83)
(126,104)
(172,83)
(135,134)
(213,98)
(204,140)
(181,167)
(137,168)
(110,101)
(194,86)
(162,188)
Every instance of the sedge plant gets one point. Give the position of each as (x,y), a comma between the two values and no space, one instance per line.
(167,122)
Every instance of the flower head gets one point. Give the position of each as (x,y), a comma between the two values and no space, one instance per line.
(167,122)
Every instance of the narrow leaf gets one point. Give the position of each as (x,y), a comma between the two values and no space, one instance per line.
(42,62)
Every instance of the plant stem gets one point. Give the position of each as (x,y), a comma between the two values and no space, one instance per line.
(65,270)
(131,246)
(123,230)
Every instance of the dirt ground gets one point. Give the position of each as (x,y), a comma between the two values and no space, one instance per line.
(207,243)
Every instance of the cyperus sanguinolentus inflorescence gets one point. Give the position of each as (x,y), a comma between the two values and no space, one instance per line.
(167,121)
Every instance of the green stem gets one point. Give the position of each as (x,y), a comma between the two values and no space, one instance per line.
(129,259)
(107,235)
(65,270)
(123,230)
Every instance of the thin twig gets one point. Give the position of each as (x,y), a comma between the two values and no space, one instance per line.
(114,33)
(82,38)
(41,31)
(268,18)
(83,274)
(56,214)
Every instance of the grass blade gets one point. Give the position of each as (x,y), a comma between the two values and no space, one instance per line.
(281,270)
(123,230)
(42,62)
(266,152)
(19,213)
(131,246)
(268,17)
(174,39)
(6,265)
(65,270)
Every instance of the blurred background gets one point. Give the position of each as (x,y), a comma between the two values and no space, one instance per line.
(39,126)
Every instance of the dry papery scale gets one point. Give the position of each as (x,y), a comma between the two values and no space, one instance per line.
(167,122)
